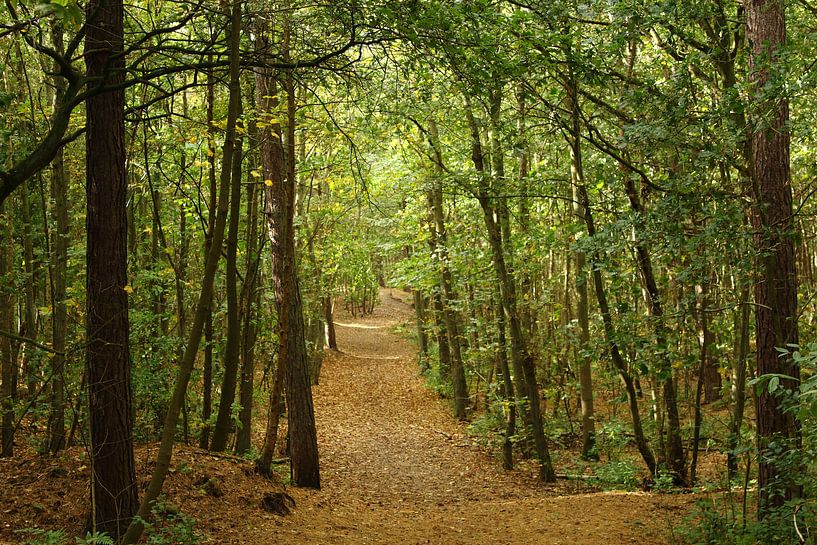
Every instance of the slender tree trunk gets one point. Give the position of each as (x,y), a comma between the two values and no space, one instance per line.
(507,383)
(329,317)
(612,343)
(704,343)
(676,456)
(420,315)
(224,420)
(113,489)
(775,231)
(582,307)
(29,326)
(249,298)
(59,270)
(440,239)
(7,362)
(741,353)
(207,375)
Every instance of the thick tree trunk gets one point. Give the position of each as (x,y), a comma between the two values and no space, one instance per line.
(775,231)
(113,488)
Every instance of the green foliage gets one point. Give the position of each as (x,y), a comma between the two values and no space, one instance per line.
(714,522)
(618,474)
(169,526)
(59,537)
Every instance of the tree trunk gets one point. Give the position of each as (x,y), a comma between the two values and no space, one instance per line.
(329,317)
(440,242)
(741,353)
(776,289)
(114,491)
(59,267)
(676,456)
(207,375)
(582,306)
(249,299)
(422,335)
(612,343)
(224,420)
(278,165)
(507,382)
(7,362)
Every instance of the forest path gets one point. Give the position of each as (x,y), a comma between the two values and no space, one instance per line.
(397,468)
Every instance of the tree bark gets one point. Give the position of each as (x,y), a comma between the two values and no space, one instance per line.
(278,166)
(113,489)
(59,270)
(774,228)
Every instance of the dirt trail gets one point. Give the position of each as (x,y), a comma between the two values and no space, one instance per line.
(397,468)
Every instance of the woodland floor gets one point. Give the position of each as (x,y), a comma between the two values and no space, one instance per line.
(397,468)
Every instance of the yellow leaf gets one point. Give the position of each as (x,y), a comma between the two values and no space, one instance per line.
(268,183)
(255,174)
(128,289)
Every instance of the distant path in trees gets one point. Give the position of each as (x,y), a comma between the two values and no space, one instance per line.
(397,468)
